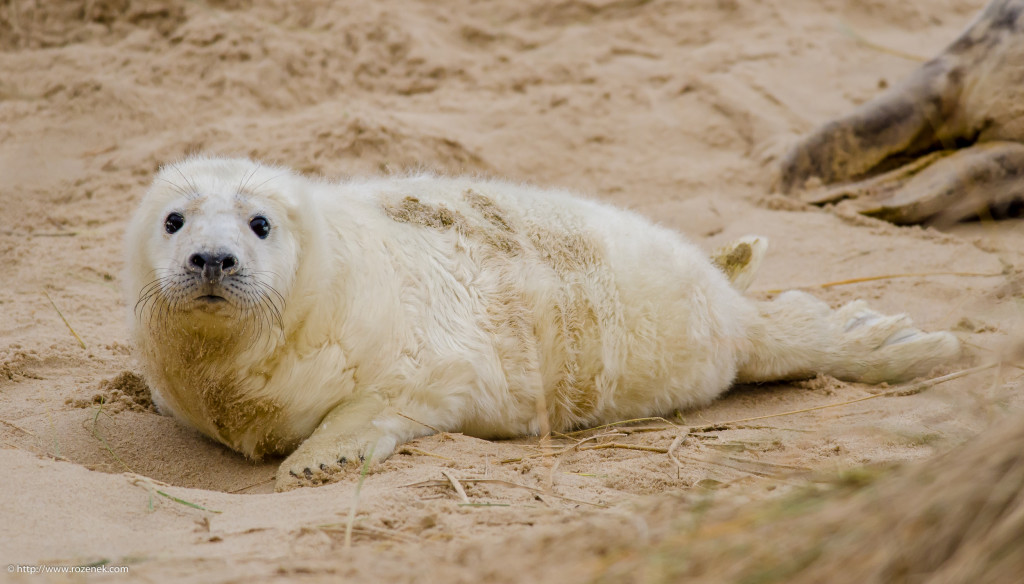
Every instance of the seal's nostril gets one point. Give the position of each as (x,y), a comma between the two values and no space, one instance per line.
(213,264)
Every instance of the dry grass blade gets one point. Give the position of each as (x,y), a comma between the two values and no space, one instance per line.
(384,533)
(911,389)
(185,503)
(424,424)
(252,486)
(626,447)
(52,456)
(419,452)
(619,423)
(18,428)
(106,445)
(147,481)
(456,485)
(879,47)
(368,531)
(883,277)
(767,464)
(66,323)
(679,441)
(355,501)
(560,451)
(643,429)
(730,466)
(437,483)
(151,486)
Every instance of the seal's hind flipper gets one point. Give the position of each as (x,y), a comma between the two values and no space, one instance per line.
(796,336)
(740,259)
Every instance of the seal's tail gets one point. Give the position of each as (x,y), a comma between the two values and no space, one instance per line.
(741,259)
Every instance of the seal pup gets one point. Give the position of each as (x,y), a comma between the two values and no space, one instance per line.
(280,314)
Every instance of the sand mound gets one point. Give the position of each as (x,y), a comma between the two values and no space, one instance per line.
(125,391)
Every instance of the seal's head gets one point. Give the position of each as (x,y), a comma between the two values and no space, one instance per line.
(212,250)
(221,254)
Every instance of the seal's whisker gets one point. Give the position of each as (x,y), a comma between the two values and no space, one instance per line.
(273,313)
(268,297)
(276,176)
(243,333)
(244,179)
(265,312)
(176,187)
(149,291)
(254,320)
(248,177)
(274,298)
(194,189)
(280,298)
(272,310)
(155,271)
(259,322)
(262,272)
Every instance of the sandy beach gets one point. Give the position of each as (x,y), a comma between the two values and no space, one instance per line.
(678,110)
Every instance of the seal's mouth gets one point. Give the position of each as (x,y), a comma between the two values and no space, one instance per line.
(211,299)
(210,303)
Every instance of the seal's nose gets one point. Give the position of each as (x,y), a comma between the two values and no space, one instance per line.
(213,265)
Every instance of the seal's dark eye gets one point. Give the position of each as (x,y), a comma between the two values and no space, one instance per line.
(173,222)
(260,226)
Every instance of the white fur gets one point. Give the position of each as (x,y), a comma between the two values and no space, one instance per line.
(456,304)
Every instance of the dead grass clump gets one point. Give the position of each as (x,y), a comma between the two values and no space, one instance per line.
(958,517)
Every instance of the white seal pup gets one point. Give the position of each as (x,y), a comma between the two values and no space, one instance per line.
(331,320)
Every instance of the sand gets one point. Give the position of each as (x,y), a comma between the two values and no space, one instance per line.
(676,109)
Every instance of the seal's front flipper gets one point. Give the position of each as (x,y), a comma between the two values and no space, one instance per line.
(357,430)
(740,259)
